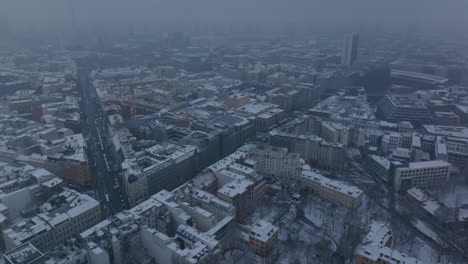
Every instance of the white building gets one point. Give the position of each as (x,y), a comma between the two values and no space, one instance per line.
(311,148)
(424,174)
(377,247)
(332,190)
(277,162)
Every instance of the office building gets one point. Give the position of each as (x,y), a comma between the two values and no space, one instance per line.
(416,79)
(424,174)
(457,152)
(350,49)
(396,108)
(446,119)
(377,166)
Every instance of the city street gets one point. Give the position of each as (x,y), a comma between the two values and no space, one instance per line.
(104,177)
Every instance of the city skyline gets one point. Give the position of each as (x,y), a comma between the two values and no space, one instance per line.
(222,132)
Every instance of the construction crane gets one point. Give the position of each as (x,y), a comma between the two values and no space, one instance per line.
(133,110)
(165,85)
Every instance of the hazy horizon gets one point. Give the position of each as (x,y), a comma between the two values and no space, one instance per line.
(57,15)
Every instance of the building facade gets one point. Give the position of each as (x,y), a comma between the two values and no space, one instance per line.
(396,108)
(424,174)
(350,49)
(263,237)
(332,190)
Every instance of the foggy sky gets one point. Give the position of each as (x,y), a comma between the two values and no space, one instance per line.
(50,15)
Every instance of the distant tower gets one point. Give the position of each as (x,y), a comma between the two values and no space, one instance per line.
(350,49)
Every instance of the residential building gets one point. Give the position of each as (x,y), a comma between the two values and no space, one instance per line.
(236,100)
(263,237)
(424,202)
(377,248)
(69,252)
(62,217)
(25,254)
(335,191)
(276,162)
(160,167)
(239,194)
(74,163)
(112,240)
(311,149)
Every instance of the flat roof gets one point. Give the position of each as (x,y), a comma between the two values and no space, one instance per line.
(235,188)
(338,186)
(462,108)
(23,254)
(428,164)
(263,230)
(451,131)
(419,76)
(406,101)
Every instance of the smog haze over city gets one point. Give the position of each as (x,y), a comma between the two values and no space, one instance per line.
(58,15)
(222,132)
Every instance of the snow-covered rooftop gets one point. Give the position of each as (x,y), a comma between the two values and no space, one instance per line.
(375,246)
(263,231)
(338,186)
(235,188)
(428,164)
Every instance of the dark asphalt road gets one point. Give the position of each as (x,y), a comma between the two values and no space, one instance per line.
(95,130)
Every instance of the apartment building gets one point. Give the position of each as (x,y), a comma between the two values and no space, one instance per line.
(277,162)
(263,237)
(26,254)
(160,167)
(62,217)
(377,248)
(332,190)
(311,149)
(239,194)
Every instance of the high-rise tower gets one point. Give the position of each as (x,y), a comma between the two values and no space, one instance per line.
(350,49)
